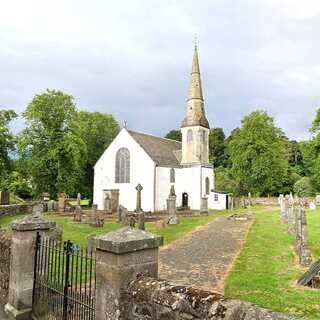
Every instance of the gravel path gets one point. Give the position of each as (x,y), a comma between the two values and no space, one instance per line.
(204,257)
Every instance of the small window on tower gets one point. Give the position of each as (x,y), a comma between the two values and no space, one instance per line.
(204,136)
(189,135)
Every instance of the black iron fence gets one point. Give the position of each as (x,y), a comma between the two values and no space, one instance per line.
(64,281)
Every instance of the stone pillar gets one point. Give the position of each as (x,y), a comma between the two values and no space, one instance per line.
(139,188)
(120,256)
(23,248)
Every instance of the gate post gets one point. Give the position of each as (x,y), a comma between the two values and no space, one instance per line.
(120,256)
(22,261)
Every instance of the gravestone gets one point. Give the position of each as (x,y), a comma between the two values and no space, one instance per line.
(107,204)
(125,221)
(50,205)
(94,208)
(139,188)
(79,199)
(120,211)
(96,220)
(56,233)
(62,202)
(38,209)
(77,216)
(312,277)
(161,224)
(301,244)
(4,198)
(141,221)
(281,201)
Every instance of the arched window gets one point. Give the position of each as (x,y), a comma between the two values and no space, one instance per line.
(189,135)
(172,176)
(122,166)
(207,185)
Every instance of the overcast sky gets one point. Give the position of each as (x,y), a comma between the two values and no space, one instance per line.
(133,58)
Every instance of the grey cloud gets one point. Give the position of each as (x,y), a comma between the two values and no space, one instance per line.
(133,58)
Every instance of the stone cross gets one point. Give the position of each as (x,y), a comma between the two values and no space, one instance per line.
(139,188)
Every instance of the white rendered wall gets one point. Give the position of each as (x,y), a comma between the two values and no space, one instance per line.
(141,171)
(217,205)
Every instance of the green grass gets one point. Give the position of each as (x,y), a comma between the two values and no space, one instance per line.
(78,233)
(84,202)
(266,271)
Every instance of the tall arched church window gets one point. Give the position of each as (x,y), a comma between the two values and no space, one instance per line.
(189,135)
(172,176)
(207,185)
(122,166)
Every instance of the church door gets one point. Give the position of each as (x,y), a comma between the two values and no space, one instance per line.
(185,200)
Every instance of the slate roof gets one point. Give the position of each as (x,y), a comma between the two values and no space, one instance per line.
(164,152)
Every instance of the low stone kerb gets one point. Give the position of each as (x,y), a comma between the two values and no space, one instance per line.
(32,222)
(128,239)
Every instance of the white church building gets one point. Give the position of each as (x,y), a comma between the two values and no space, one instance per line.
(157,163)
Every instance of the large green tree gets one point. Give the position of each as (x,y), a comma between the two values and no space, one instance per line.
(51,144)
(258,155)
(217,147)
(6,146)
(97,130)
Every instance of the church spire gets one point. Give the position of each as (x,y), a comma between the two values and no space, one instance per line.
(195,88)
(195,103)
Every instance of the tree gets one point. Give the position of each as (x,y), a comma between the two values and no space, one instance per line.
(217,147)
(51,145)
(6,145)
(97,130)
(258,156)
(303,187)
(174,135)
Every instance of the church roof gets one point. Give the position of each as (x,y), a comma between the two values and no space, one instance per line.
(164,152)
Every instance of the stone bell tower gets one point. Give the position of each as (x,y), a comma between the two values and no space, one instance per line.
(195,126)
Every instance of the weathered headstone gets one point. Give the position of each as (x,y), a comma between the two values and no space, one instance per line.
(56,233)
(139,188)
(107,204)
(161,224)
(96,220)
(79,199)
(37,209)
(62,202)
(301,244)
(50,205)
(141,221)
(77,216)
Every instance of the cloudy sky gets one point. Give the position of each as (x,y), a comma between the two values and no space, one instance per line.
(132,58)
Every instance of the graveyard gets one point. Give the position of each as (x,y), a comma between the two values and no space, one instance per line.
(265,269)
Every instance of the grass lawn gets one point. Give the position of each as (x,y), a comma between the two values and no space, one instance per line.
(78,233)
(266,271)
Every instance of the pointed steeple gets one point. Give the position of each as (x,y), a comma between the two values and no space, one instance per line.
(195,88)
(195,103)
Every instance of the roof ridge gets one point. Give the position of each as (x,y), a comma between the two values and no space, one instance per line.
(151,135)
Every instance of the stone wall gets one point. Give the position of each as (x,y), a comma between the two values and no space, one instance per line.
(16,208)
(159,300)
(5,245)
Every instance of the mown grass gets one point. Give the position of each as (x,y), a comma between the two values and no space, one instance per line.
(266,271)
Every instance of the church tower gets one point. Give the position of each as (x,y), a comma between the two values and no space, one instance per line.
(195,126)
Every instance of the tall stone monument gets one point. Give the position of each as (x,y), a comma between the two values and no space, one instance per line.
(139,188)
(171,207)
